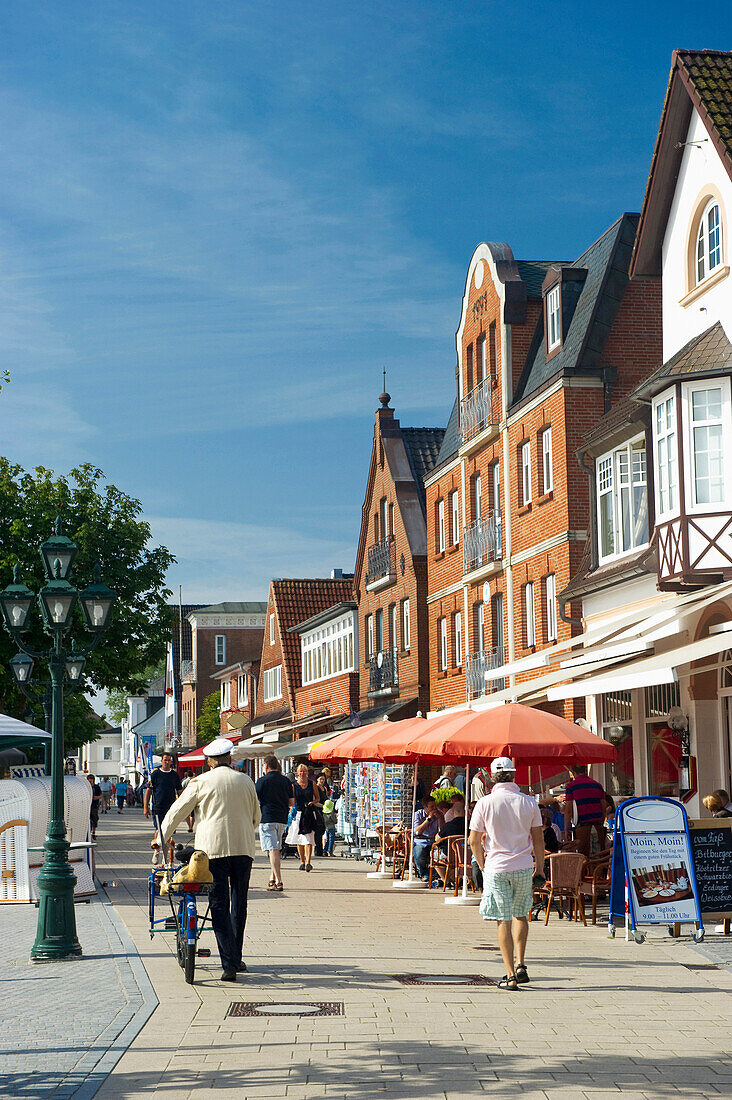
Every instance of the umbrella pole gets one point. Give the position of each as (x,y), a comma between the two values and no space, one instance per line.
(463,899)
(383,873)
(411,880)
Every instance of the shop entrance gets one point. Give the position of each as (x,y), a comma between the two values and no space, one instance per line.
(725,701)
(664,744)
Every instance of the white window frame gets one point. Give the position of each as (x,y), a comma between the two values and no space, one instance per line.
(225,695)
(547,474)
(329,650)
(406,625)
(442,639)
(272,683)
(220,649)
(242,690)
(529,614)
(477,502)
(526,472)
(480,628)
(393,627)
(553,318)
(689,450)
(483,353)
(370,635)
(709,248)
(610,481)
(550,593)
(458,635)
(455,513)
(666,456)
(441,525)
(271,630)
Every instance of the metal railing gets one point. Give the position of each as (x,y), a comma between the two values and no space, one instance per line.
(482,541)
(381,556)
(476,667)
(476,410)
(383,672)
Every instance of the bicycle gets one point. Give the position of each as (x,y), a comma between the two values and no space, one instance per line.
(184,919)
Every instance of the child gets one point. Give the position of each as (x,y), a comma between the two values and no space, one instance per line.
(330,817)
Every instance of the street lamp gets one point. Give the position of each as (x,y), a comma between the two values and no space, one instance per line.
(56,932)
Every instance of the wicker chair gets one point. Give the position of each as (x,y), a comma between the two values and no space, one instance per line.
(595,882)
(458,864)
(438,859)
(565,876)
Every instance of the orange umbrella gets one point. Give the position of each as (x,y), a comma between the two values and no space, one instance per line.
(525,734)
(340,749)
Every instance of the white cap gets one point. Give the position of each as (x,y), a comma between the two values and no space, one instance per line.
(222,746)
(500,764)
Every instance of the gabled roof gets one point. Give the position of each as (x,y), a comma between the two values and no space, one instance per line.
(705,355)
(533,272)
(451,439)
(324,616)
(700,79)
(606,263)
(249,607)
(423,447)
(294,602)
(624,418)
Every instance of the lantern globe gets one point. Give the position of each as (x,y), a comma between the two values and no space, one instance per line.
(21,665)
(58,600)
(96,603)
(16,601)
(74,669)
(58,553)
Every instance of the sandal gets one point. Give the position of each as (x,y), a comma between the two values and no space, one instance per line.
(522,974)
(508,981)
(271,885)
(279,887)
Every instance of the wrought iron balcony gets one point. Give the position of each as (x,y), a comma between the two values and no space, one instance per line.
(383,677)
(381,561)
(482,541)
(476,411)
(475,672)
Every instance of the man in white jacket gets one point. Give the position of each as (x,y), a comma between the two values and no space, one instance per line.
(226,814)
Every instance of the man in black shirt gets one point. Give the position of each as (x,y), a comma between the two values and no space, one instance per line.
(165,786)
(276,796)
(95,804)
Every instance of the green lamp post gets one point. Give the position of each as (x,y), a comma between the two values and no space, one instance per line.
(56,931)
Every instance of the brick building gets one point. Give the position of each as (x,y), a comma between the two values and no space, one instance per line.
(238,695)
(221,634)
(390,582)
(544,349)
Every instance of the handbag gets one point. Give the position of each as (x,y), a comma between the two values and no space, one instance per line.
(307,821)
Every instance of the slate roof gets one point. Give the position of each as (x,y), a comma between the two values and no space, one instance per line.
(533,273)
(422,446)
(710,72)
(708,354)
(451,438)
(294,602)
(624,413)
(587,579)
(606,263)
(235,608)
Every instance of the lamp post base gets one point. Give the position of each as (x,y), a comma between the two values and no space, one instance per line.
(56,930)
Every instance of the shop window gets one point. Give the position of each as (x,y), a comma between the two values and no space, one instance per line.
(617,727)
(664,744)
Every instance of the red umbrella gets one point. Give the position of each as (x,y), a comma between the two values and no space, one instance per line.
(341,749)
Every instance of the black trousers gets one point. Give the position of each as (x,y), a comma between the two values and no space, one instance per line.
(229,906)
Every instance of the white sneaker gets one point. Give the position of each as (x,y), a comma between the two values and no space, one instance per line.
(157,858)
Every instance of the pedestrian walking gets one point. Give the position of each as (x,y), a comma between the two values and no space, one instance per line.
(302,831)
(165,786)
(226,813)
(106,786)
(507,841)
(276,796)
(585,807)
(96,803)
(120,792)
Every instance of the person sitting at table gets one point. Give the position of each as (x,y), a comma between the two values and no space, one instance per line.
(456,808)
(454,827)
(425,826)
(716,806)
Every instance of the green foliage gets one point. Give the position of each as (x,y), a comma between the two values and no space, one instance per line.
(106,525)
(117,699)
(208,725)
(444,794)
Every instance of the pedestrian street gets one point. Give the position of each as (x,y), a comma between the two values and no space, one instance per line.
(600,1018)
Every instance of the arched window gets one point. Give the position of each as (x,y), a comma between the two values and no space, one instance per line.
(708,241)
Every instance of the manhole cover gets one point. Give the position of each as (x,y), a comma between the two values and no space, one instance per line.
(443,979)
(281,1008)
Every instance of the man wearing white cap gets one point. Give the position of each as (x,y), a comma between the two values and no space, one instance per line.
(507,840)
(227,814)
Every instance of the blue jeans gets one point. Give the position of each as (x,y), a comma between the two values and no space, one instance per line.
(229,906)
(422,857)
(329,841)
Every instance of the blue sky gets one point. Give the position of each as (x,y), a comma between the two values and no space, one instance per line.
(220,220)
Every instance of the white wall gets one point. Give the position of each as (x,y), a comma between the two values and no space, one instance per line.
(700,167)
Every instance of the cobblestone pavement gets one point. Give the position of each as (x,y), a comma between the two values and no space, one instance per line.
(65,1024)
(601,1018)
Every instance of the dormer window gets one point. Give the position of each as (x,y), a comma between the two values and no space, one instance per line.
(553,319)
(709,241)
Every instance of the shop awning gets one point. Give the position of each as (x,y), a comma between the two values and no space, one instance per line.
(303,745)
(196,759)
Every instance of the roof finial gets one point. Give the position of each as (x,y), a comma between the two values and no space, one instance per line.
(384,397)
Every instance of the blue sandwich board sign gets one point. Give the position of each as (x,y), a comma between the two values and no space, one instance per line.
(652,866)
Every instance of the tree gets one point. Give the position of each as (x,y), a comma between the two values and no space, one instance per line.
(106,525)
(208,725)
(117,698)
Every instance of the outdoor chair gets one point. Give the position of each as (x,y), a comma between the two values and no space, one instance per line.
(458,864)
(388,846)
(595,882)
(440,859)
(401,853)
(565,876)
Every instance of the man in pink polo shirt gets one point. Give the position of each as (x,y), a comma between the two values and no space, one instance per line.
(507,841)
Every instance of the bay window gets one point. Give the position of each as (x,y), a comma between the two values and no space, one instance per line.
(708,410)
(622,499)
(665,452)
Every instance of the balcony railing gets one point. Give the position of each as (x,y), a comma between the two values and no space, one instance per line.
(476,667)
(188,671)
(381,560)
(476,410)
(383,673)
(482,541)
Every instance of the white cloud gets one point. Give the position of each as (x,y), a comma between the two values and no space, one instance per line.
(39,425)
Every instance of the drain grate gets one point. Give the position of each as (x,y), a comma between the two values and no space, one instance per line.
(282,1008)
(700,966)
(443,979)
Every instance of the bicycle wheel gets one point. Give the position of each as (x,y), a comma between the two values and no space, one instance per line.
(180,936)
(190,962)
(190,932)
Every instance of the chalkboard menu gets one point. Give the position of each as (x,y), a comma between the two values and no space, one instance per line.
(711,846)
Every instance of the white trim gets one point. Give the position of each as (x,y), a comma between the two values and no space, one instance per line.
(548,544)
(725,422)
(437,474)
(547,462)
(450,591)
(554,317)
(525,473)
(670,486)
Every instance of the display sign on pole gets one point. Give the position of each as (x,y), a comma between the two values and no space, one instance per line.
(652,855)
